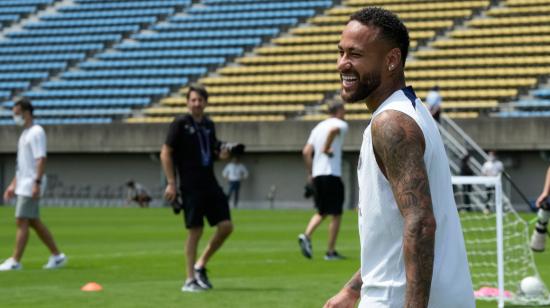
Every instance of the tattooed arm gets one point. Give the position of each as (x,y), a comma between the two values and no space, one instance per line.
(348,296)
(399,148)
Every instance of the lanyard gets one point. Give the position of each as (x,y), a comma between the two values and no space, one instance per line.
(203,143)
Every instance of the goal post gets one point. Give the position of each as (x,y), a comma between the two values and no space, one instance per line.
(497,241)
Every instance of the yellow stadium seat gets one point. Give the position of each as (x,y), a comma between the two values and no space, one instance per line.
(509,21)
(524,30)
(492,41)
(279,78)
(523,10)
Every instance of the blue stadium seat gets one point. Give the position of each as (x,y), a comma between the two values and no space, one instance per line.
(82,112)
(542,93)
(42,58)
(17,9)
(32,67)
(99,92)
(14,85)
(25,2)
(9,17)
(259,7)
(208,34)
(5,94)
(23,76)
(533,103)
(75,31)
(189,44)
(225,24)
(91,22)
(109,14)
(153,63)
(242,16)
(61,40)
(50,48)
(125,5)
(172,53)
(106,83)
(129,73)
(86,103)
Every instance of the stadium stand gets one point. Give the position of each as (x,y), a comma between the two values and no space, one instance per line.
(298,68)
(59,41)
(143,53)
(504,52)
(13,11)
(156,62)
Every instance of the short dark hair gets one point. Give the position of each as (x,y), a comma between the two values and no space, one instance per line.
(392,29)
(334,106)
(199,88)
(24,104)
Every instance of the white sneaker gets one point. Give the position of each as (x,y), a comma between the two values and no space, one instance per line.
(191,285)
(56,261)
(538,241)
(10,265)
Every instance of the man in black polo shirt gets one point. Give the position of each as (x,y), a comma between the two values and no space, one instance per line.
(190,150)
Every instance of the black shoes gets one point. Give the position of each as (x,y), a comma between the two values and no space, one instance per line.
(202,278)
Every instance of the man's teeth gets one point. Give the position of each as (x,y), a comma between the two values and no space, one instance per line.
(349,78)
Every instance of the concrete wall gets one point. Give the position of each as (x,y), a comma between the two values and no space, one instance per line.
(100,155)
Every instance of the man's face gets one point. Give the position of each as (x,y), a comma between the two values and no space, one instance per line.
(196,104)
(17,111)
(361,61)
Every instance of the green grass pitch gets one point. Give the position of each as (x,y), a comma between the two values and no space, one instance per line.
(137,256)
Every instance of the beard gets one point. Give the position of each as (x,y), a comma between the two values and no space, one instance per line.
(364,89)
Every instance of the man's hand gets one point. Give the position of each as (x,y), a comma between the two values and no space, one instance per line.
(344,299)
(541,199)
(224,153)
(35,191)
(328,152)
(9,193)
(170,192)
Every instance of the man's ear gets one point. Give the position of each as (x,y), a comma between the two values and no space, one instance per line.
(393,59)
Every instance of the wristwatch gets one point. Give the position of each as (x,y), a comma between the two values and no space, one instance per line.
(38,181)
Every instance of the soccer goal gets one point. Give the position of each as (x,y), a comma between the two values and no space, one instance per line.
(497,242)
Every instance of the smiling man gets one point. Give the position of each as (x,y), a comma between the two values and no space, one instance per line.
(412,249)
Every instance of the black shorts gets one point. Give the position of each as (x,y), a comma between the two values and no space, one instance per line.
(210,203)
(329,194)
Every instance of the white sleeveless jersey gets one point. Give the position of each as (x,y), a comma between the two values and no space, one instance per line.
(381,223)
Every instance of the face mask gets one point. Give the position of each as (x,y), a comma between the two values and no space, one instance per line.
(18,119)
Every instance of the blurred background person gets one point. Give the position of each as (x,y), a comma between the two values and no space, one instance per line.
(27,186)
(323,158)
(138,193)
(235,172)
(434,100)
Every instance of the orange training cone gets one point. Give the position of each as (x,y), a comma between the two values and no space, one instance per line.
(92,287)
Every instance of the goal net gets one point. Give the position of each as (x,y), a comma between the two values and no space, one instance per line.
(497,242)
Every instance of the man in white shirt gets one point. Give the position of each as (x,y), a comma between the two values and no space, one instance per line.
(433,99)
(235,172)
(27,186)
(492,167)
(412,248)
(323,158)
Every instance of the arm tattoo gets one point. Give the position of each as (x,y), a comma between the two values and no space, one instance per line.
(355,282)
(399,145)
